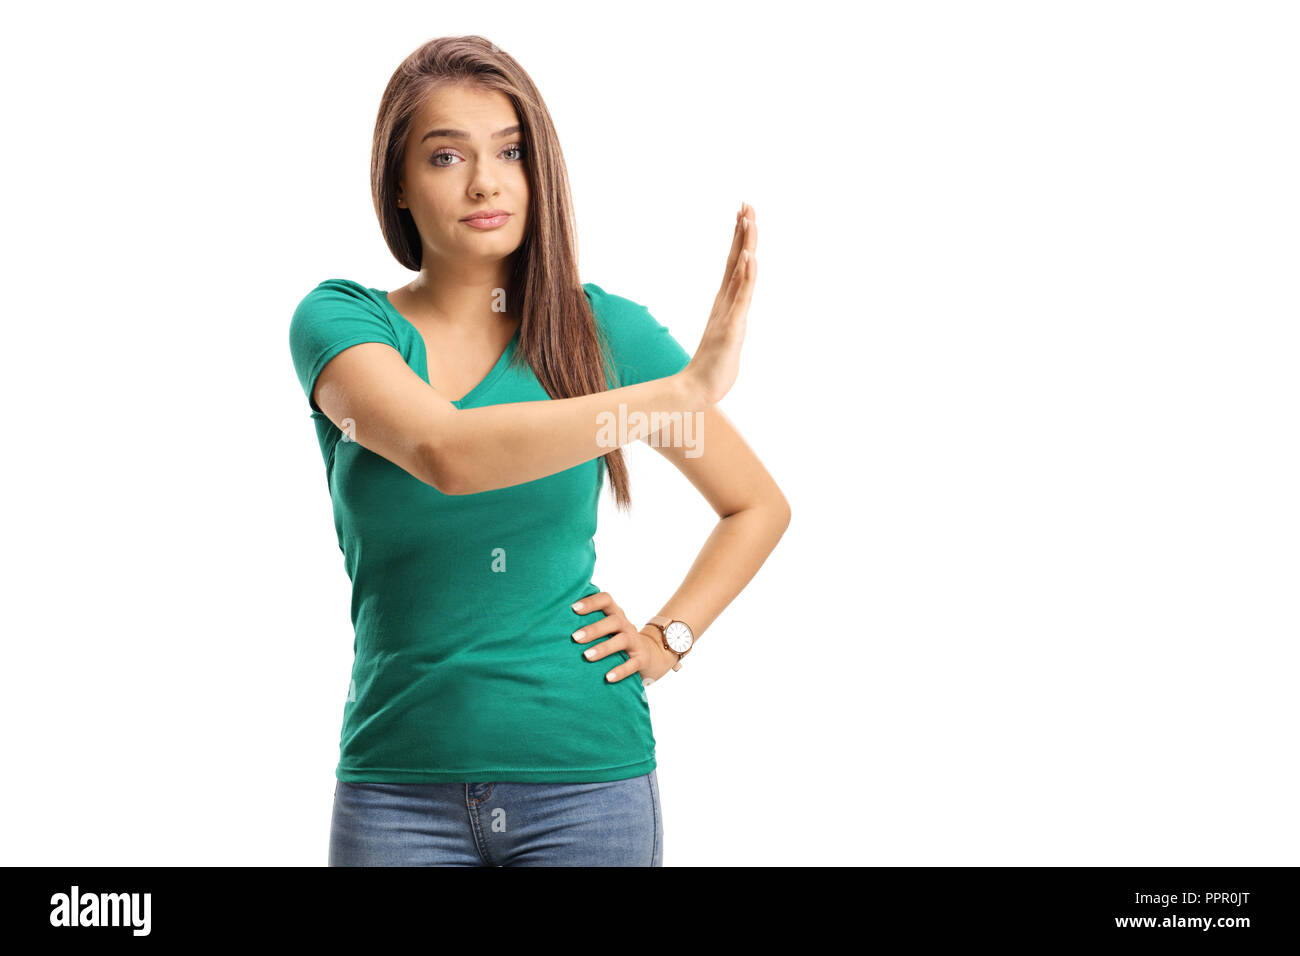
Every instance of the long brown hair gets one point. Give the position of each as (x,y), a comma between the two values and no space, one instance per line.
(558,335)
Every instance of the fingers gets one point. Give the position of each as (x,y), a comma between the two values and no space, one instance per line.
(619,634)
(749,273)
(594,629)
(614,619)
(750,226)
(744,268)
(600,601)
(626,669)
(637,647)
(736,280)
(739,240)
(737,244)
(745,292)
(621,641)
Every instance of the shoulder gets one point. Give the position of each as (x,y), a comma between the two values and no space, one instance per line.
(642,347)
(335,303)
(623,321)
(342,292)
(606,305)
(339,310)
(334,316)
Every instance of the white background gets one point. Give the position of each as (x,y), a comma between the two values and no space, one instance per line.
(1022,357)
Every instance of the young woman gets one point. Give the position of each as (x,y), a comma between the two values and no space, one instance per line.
(496,713)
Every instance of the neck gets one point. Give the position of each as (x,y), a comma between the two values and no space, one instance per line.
(462,295)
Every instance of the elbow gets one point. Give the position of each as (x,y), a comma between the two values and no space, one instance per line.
(782,507)
(438,469)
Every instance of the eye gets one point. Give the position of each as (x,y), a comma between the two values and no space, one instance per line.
(512,148)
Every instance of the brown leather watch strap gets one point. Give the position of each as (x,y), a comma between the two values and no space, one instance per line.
(661,621)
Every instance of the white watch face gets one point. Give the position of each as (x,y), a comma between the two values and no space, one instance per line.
(678,636)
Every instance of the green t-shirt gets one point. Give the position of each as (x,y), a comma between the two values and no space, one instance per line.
(464,668)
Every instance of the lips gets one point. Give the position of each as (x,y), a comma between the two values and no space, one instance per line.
(485,214)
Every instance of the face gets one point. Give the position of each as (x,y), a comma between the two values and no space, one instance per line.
(473,162)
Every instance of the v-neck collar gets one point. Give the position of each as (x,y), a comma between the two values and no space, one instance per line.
(487,380)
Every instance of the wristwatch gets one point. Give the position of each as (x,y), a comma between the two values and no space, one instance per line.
(677,636)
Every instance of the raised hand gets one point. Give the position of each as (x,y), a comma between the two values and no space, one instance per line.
(716,363)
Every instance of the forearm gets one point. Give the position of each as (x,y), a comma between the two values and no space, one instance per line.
(729,559)
(497,446)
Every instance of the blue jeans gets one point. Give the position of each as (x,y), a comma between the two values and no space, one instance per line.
(616,823)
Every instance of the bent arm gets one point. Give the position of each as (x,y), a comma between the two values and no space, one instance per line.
(369,392)
(753,515)
(496,446)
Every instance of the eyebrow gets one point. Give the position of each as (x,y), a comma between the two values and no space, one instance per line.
(461,134)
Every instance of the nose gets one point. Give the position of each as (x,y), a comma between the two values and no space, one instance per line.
(483,184)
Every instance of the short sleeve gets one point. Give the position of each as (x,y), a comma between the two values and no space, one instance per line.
(335,315)
(642,348)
